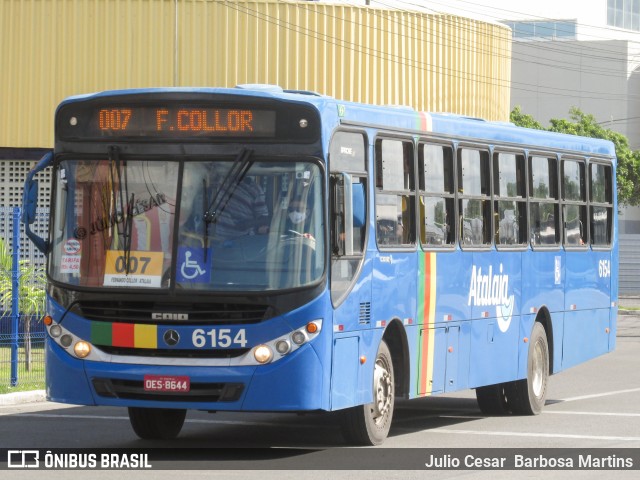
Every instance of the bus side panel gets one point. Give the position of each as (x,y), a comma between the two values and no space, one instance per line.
(395,276)
(65,376)
(344,381)
(442,344)
(588,280)
(495,294)
(586,336)
(452,287)
(613,317)
(395,282)
(351,379)
(542,286)
(436,379)
(587,304)
(351,322)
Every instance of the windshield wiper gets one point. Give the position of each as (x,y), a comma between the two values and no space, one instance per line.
(126,216)
(230,182)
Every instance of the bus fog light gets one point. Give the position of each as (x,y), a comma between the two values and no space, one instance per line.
(55,331)
(298,337)
(65,340)
(283,347)
(262,354)
(82,349)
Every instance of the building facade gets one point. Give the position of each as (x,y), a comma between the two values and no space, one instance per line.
(56,48)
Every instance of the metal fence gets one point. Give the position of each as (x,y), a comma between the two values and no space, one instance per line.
(21,274)
(629,265)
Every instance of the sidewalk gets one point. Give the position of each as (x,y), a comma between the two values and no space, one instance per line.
(18,398)
(629,305)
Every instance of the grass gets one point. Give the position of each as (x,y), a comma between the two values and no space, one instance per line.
(32,379)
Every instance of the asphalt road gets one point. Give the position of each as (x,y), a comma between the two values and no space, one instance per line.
(593,405)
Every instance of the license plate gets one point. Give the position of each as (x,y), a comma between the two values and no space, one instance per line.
(166,383)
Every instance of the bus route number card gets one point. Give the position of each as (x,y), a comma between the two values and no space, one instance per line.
(136,269)
(166,383)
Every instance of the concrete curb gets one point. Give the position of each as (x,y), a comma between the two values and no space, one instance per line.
(18,398)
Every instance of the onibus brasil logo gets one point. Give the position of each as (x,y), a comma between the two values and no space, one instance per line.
(492,290)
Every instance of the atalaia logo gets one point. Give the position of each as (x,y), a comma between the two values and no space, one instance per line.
(492,290)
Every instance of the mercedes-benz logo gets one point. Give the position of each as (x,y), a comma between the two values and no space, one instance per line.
(171,337)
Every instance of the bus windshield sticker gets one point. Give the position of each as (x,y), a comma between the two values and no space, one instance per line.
(192,265)
(70,264)
(137,269)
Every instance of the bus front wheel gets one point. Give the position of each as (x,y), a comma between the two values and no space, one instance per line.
(369,424)
(156,423)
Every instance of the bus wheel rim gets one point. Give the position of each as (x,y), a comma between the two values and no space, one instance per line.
(383,391)
(537,382)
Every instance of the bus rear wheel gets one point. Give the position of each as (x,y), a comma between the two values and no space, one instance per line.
(156,423)
(528,396)
(492,399)
(369,424)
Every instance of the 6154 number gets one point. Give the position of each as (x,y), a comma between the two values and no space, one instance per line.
(220,337)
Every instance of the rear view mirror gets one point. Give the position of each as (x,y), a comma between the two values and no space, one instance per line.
(30,202)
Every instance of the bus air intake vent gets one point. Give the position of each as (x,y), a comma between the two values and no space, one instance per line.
(159,312)
(365,313)
(173,353)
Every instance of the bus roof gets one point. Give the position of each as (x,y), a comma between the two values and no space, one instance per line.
(395,118)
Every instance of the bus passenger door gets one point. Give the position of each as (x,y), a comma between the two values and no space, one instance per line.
(350,293)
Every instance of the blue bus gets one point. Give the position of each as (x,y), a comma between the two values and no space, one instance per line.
(252,249)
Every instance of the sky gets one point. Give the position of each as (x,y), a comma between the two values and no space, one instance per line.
(588,11)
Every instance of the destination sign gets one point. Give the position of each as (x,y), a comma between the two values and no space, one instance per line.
(182,121)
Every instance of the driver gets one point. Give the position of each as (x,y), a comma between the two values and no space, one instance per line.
(242,210)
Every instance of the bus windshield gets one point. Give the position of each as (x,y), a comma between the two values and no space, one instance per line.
(216,225)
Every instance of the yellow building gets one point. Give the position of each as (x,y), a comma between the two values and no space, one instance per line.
(52,49)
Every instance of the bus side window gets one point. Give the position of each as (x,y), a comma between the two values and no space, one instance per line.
(543,206)
(435,184)
(474,190)
(601,204)
(510,206)
(574,197)
(395,188)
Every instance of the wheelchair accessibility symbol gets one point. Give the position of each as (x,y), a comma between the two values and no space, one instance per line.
(191,265)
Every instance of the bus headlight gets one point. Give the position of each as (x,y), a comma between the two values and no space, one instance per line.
(82,349)
(262,354)
(55,331)
(283,347)
(278,348)
(298,337)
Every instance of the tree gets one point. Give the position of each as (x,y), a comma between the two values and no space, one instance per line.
(580,123)
(524,120)
(31,293)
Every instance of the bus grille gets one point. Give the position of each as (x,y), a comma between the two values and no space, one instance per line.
(197,313)
(174,353)
(199,392)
